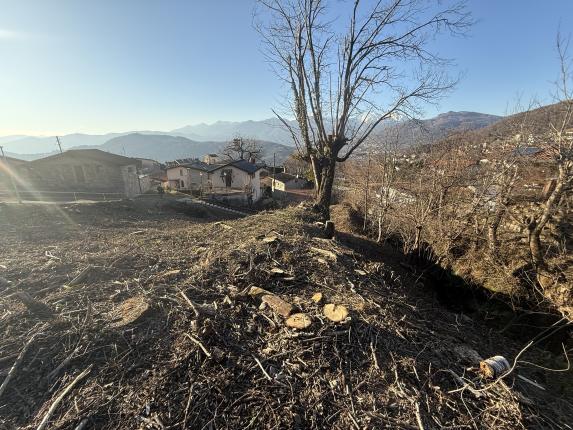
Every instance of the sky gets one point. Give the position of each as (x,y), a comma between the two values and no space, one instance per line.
(98,66)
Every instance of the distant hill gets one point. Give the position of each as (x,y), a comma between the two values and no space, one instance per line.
(409,132)
(271,130)
(501,134)
(197,140)
(166,148)
(420,132)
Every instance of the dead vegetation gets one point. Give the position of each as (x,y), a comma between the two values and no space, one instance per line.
(184,323)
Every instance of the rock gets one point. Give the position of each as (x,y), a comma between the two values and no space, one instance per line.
(316,297)
(278,305)
(334,312)
(299,321)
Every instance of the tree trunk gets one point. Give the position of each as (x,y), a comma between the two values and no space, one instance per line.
(493,242)
(324,186)
(537,224)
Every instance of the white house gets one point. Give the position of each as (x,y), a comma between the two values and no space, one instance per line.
(286,181)
(239,178)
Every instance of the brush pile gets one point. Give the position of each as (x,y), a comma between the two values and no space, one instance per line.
(252,323)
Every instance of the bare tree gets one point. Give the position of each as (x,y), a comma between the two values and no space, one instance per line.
(558,141)
(346,78)
(243,149)
(295,165)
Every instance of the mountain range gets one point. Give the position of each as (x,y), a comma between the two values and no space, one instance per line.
(200,139)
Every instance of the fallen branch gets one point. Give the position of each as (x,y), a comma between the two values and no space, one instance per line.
(63,364)
(190,303)
(198,342)
(81,276)
(14,367)
(63,394)
(263,369)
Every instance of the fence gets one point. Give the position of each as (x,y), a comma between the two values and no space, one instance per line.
(59,196)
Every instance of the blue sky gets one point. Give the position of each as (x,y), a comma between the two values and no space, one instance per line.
(108,65)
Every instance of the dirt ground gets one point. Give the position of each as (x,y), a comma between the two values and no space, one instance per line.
(149,315)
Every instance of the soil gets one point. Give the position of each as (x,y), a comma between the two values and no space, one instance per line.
(172,338)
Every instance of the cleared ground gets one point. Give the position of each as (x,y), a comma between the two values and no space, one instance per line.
(149,303)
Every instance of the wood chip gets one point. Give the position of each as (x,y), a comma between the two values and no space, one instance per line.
(257,291)
(278,305)
(324,252)
(299,321)
(334,312)
(129,311)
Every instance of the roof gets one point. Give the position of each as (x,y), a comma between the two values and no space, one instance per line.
(89,154)
(193,163)
(284,177)
(246,166)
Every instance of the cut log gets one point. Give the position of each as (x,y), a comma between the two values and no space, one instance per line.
(278,305)
(494,367)
(299,321)
(334,312)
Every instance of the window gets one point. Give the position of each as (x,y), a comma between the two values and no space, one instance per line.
(180,172)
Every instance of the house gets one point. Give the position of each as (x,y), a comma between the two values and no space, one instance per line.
(236,180)
(286,181)
(83,172)
(189,174)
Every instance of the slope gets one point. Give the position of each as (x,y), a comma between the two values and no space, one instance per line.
(172,334)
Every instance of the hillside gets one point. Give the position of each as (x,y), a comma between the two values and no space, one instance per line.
(504,131)
(413,133)
(153,337)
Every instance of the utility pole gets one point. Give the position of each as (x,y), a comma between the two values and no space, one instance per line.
(59,144)
(274,169)
(366,193)
(10,176)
